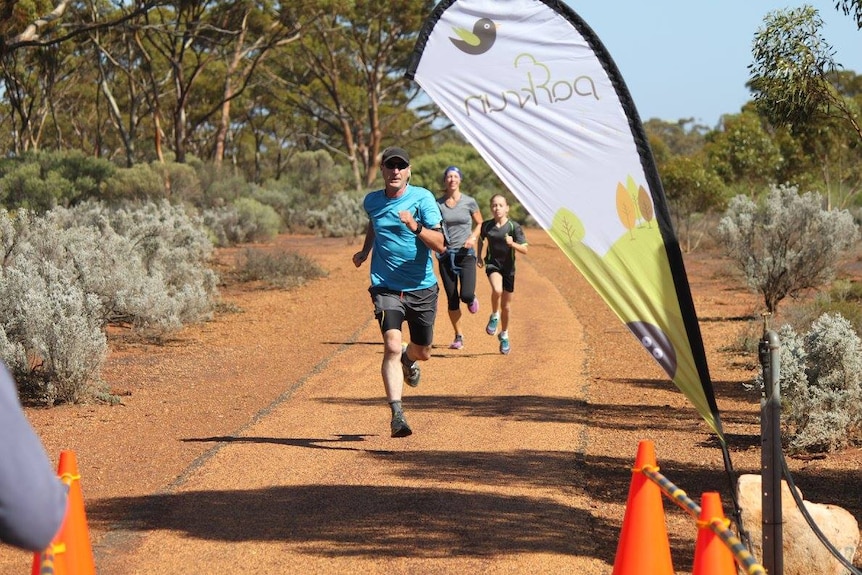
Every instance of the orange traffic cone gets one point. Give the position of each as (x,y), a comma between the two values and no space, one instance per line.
(644,546)
(711,555)
(71,552)
(75,533)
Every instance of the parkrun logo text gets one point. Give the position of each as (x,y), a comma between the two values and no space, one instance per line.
(540,89)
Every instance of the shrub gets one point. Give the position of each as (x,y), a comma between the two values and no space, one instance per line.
(278,269)
(26,186)
(259,222)
(245,220)
(820,379)
(58,327)
(221,187)
(169,248)
(140,182)
(70,272)
(41,180)
(342,217)
(180,182)
(786,244)
(841,299)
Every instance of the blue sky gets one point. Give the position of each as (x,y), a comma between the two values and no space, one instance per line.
(689,58)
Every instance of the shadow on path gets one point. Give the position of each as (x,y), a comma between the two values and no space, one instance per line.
(348,520)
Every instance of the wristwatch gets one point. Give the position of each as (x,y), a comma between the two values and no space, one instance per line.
(418,228)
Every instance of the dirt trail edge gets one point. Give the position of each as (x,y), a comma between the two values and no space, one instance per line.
(258,442)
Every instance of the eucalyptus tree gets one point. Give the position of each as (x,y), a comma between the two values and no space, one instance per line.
(790,74)
(683,137)
(42,23)
(124,79)
(798,86)
(43,45)
(851,6)
(268,133)
(347,74)
(259,30)
(36,85)
(176,34)
(211,50)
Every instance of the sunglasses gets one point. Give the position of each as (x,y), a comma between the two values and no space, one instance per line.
(393,164)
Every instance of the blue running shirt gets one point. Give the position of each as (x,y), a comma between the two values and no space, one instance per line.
(399,259)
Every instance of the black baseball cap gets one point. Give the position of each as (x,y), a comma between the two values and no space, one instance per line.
(395,152)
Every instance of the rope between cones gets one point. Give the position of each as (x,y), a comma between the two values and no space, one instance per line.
(719,526)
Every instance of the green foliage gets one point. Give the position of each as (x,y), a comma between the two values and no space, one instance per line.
(678,138)
(791,59)
(343,81)
(820,382)
(316,174)
(40,181)
(221,187)
(279,269)
(787,243)
(181,182)
(139,182)
(692,191)
(854,6)
(842,298)
(26,187)
(743,151)
(480,181)
(795,85)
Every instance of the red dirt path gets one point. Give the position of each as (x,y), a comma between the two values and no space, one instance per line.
(258,442)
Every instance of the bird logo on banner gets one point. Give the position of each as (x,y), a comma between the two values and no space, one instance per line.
(479,40)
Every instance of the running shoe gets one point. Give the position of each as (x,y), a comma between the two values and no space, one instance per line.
(504,344)
(491,328)
(411,372)
(474,305)
(399,426)
(458,343)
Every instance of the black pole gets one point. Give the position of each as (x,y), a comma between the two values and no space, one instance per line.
(771,455)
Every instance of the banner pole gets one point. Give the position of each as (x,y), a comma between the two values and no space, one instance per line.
(770,453)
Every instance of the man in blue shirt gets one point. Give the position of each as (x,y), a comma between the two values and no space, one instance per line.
(404,228)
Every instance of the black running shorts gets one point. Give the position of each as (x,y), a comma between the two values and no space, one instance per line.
(418,307)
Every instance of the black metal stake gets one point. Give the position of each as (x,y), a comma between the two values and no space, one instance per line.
(770,454)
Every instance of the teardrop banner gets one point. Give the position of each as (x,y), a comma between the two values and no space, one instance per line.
(531,87)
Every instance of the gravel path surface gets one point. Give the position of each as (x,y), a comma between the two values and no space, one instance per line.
(259,443)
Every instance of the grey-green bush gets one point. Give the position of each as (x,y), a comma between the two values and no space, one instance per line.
(67,274)
(786,244)
(279,269)
(51,329)
(244,220)
(170,247)
(820,382)
(342,217)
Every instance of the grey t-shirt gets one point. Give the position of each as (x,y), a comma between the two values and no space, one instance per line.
(32,497)
(458,220)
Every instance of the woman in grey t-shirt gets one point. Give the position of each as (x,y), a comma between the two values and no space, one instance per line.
(461,221)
